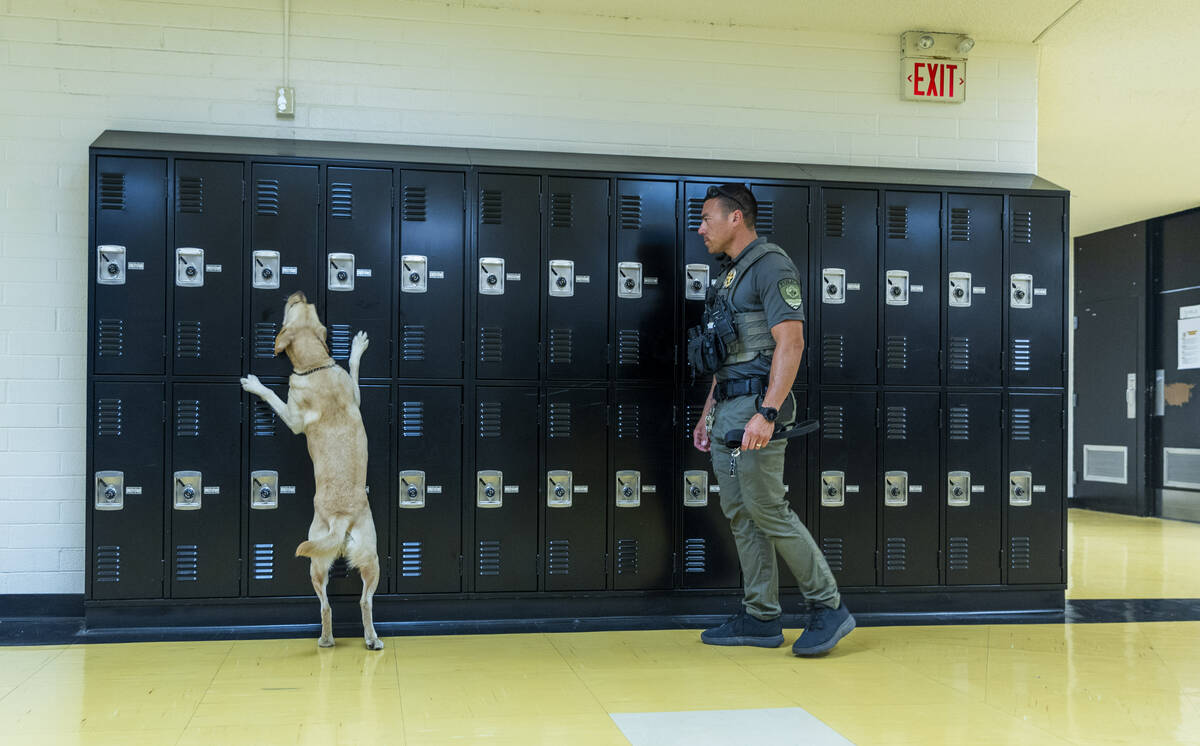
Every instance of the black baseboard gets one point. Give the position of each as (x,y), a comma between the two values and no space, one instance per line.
(41,605)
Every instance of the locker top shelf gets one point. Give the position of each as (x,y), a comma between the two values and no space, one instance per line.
(622,164)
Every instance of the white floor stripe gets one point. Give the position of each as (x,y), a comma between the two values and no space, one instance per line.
(776,726)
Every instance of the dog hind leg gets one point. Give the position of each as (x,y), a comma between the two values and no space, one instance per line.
(318,570)
(369,571)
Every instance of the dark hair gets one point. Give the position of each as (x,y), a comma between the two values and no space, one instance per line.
(736,197)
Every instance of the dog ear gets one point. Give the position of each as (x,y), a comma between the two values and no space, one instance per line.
(321,333)
(283,339)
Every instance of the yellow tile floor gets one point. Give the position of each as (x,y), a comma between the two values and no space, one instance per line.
(1134,683)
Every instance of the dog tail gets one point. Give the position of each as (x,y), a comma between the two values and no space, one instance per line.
(328,543)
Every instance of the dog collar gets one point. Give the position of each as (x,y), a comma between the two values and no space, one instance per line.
(330,364)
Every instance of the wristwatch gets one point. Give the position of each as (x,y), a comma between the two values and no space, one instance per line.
(769,413)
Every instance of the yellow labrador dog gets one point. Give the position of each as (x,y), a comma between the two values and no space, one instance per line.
(323,403)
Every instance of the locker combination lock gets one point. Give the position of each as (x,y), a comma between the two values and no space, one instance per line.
(833,489)
(559,488)
(264,490)
(835,285)
(1020,294)
(491,275)
(629,489)
(695,488)
(414,273)
(264,270)
(188,488)
(110,265)
(695,281)
(897,288)
(489,489)
(895,489)
(1020,489)
(629,280)
(341,272)
(110,490)
(958,489)
(562,278)
(960,290)
(189,267)
(412,489)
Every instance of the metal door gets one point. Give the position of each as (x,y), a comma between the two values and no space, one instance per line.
(208,268)
(710,558)
(845,480)
(973,489)
(848,290)
(974,290)
(576,269)
(642,489)
(783,220)
(1035,496)
(910,282)
(645,315)
(910,486)
(795,480)
(698,270)
(1035,302)
(128,265)
(575,488)
(507,276)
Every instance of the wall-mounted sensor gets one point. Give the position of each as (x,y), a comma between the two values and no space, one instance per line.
(285,101)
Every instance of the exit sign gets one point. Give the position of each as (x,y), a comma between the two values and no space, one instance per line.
(927,79)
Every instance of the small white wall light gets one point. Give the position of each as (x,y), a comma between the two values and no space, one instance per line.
(965,44)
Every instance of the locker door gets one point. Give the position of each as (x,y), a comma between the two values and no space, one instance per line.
(642,488)
(375,409)
(910,282)
(710,558)
(432,253)
(358,265)
(698,270)
(576,267)
(1035,302)
(974,290)
(1035,498)
(280,490)
(848,265)
(126,495)
(575,483)
(205,520)
(428,473)
(506,489)
(910,486)
(795,479)
(845,478)
(507,278)
(128,265)
(207,268)
(783,220)
(973,489)
(283,256)
(645,341)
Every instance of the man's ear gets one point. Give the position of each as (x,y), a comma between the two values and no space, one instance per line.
(283,339)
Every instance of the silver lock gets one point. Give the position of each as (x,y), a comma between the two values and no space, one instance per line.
(629,489)
(834,285)
(189,267)
(562,278)
(110,490)
(1020,291)
(958,489)
(489,489)
(895,489)
(695,281)
(491,275)
(188,489)
(1020,489)
(629,280)
(412,489)
(695,488)
(264,490)
(896,292)
(414,273)
(560,487)
(960,290)
(833,489)
(264,270)
(110,265)
(340,277)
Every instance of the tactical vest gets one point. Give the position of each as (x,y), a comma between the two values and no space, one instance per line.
(753,335)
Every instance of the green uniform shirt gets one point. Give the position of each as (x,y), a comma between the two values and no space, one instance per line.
(772,284)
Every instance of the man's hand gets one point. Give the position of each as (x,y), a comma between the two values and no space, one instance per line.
(758,433)
(700,436)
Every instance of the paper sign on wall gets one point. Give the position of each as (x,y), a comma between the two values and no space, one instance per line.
(1189,344)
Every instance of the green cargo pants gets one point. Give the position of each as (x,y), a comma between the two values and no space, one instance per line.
(763,522)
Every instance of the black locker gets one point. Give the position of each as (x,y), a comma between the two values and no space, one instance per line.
(576,279)
(849,301)
(642,488)
(432,256)
(428,472)
(127,490)
(1035,303)
(282,255)
(645,316)
(128,285)
(845,483)
(358,265)
(973,489)
(710,558)
(795,479)
(507,277)
(909,483)
(1035,498)
(910,281)
(204,498)
(783,220)
(575,484)
(207,268)
(974,290)
(699,267)
(505,488)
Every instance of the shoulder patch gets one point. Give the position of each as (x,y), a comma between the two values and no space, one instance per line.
(789,290)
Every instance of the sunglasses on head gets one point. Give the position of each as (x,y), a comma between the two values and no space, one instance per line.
(716,191)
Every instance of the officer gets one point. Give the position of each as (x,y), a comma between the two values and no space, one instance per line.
(754,338)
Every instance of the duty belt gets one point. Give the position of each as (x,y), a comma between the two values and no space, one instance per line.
(739,387)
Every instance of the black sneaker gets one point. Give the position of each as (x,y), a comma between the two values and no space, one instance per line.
(824,628)
(743,629)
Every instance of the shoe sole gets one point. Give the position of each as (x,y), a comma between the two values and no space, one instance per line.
(758,642)
(844,629)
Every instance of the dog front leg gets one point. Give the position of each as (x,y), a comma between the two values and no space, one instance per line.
(282,409)
(357,347)
(319,573)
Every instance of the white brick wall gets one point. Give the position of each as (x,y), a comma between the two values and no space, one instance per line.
(404,72)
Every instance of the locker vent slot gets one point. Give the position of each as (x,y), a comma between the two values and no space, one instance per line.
(765,223)
(629,347)
(489,557)
(339,341)
(187,418)
(561,347)
(897,221)
(562,210)
(1020,554)
(833,351)
(189,196)
(110,338)
(340,569)
(413,204)
(560,419)
(695,208)
(1021,355)
(631,212)
(187,563)
(491,344)
(412,342)
(187,340)
(692,413)
(833,422)
(1181,468)
(627,556)
(1022,422)
(112,191)
(108,418)
(960,224)
(263,567)
(959,553)
(108,564)
(266,196)
(835,221)
(960,423)
(960,353)
(833,550)
(1022,226)
(489,419)
(695,555)
(558,557)
(1106,464)
(410,559)
(629,421)
(897,352)
(895,554)
(262,419)
(897,423)
(412,419)
(491,206)
(341,200)
(264,339)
